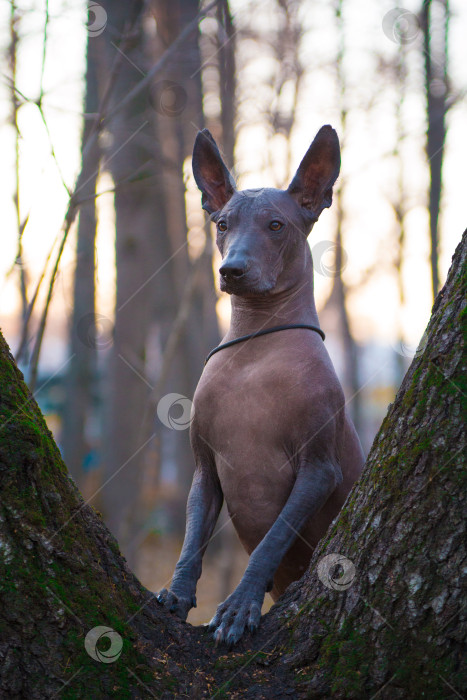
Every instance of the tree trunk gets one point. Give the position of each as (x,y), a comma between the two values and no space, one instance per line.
(227,541)
(135,164)
(179,114)
(177,101)
(400,205)
(435,23)
(81,374)
(394,629)
(339,295)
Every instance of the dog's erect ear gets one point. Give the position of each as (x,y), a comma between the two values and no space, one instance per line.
(211,175)
(317,173)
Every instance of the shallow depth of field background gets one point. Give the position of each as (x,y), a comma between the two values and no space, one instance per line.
(109,295)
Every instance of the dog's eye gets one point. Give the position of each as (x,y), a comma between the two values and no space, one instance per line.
(222,226)
(275,225)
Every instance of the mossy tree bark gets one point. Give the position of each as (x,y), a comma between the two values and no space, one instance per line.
(398,629)
(61,573)
(394,630)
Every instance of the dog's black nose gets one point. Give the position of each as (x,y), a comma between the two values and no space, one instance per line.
(233,269)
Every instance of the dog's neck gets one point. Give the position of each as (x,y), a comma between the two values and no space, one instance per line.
(296,304)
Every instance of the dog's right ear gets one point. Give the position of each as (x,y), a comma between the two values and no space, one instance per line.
(211,175)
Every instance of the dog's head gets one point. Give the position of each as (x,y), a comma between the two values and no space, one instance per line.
(261,234)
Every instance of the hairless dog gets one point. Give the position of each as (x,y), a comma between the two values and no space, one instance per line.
(270,432)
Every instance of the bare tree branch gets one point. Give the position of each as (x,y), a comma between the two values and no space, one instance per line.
(100,120)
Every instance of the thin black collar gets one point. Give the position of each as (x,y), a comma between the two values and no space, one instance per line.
(264,332)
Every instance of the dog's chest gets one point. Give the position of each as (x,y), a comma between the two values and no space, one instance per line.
(251,407)
(248,417)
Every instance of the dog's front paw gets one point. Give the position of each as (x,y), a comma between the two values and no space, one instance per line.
(239,611)
(177,604)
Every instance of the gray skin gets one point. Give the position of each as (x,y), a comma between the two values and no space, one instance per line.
(270,431)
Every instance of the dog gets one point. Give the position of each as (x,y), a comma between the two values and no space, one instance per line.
(270,431)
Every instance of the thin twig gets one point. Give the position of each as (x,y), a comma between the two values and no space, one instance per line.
(14,38)
(70,215)
(52,150)
(24,336)
(44,51)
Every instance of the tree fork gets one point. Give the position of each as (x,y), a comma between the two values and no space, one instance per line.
(396,631)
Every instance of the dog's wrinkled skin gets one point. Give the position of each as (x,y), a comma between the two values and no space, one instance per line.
(270,432)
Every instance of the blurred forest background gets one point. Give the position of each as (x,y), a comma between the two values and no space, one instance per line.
(109,292)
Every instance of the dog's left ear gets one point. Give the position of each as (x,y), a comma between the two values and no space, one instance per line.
(312,184)
(211,175)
